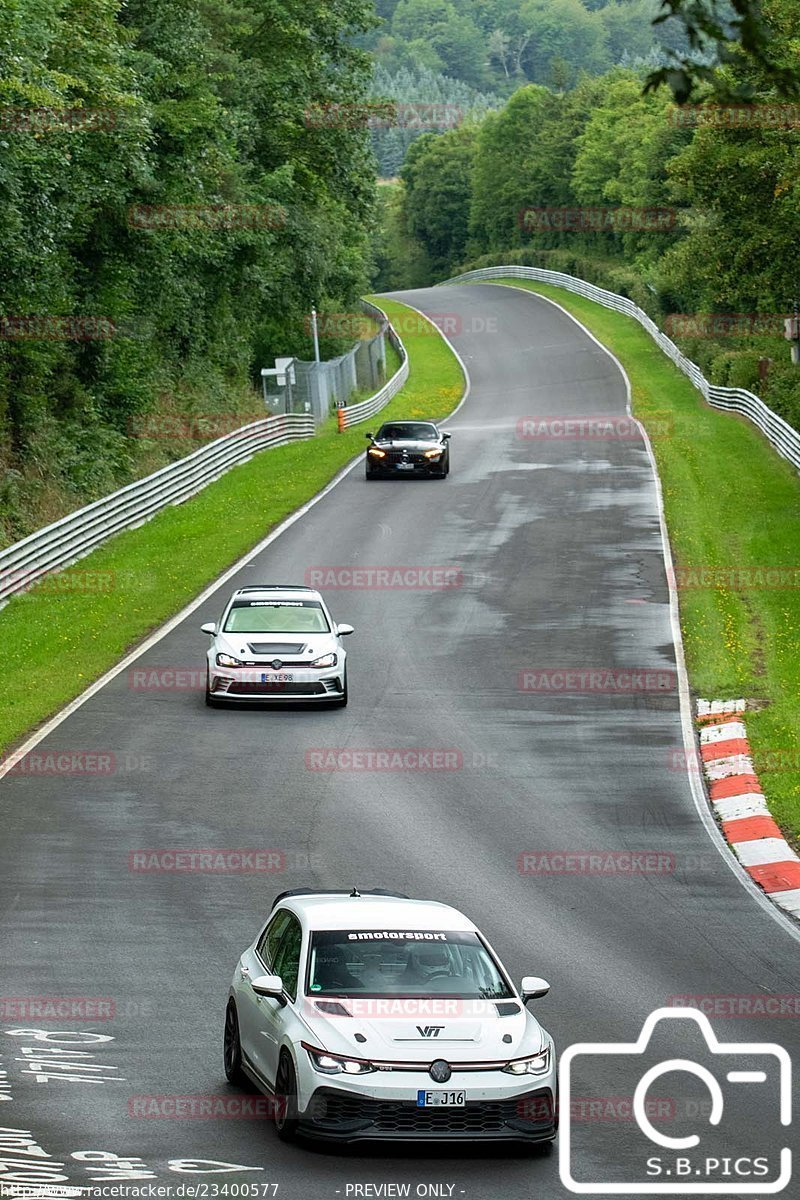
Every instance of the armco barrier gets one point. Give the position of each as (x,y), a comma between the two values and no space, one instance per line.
(781,435)
(76,535)
(354,414)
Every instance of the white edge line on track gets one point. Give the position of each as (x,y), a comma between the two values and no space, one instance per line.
(687,721)
(13,756)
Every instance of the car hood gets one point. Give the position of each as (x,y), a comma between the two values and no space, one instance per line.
(423,1039)
(407,444)
(289,647)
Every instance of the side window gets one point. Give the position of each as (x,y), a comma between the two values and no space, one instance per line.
(269,942)
(287,962)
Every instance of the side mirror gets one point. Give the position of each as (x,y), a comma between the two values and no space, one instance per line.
(343,630)
(369,435)
(446,436)
(533,988)
(209,628)
(268,985)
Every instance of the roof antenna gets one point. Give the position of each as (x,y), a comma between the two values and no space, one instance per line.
(355,892)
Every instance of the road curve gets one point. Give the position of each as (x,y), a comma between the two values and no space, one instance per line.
(558,547)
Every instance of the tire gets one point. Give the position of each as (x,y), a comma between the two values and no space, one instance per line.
(286,1097)
(232,1048)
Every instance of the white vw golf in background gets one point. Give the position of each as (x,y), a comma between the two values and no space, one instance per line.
(276,643)
(379,1017)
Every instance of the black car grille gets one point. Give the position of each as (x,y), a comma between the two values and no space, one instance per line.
(242,688)
(336,1112)
(396,456)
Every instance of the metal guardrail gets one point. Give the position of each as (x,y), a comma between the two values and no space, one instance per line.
(74,536)
(778,432)
(354,414)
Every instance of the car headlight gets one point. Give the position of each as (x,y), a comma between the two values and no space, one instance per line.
(225,660)
(434,453)
(376,452)
(536,1065)
(335,1064)
(327,660)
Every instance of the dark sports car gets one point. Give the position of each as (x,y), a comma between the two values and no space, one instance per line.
(408,448)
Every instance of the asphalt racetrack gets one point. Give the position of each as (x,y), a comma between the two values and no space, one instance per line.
(557,596)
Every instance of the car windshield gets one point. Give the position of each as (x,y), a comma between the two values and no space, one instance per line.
(276,616)
(413,431)
(402,963)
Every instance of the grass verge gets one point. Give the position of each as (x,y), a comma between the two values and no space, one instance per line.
(732,506)
(57,643)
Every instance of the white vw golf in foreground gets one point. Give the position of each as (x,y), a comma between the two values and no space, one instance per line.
(376,1016)
(276,643)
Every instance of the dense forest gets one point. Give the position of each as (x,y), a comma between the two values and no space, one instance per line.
(728,192)
(160,185)
(181,180)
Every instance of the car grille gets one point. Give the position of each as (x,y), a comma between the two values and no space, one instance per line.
(276,648)
(245,688)
(396,456)
(334,1111)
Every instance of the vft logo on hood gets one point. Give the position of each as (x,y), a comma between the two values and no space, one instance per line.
(429,1031)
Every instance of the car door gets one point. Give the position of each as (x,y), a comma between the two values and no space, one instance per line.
(256,1016)
(276,1015)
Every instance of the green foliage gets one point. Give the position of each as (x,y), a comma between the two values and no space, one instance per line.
(206,105)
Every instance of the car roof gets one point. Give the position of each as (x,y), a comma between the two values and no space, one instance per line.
(334,911)
(276,592)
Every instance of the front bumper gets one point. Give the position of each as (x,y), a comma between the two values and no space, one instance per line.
(334,1114)
(426,466)
(243,684)
(383,1105)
